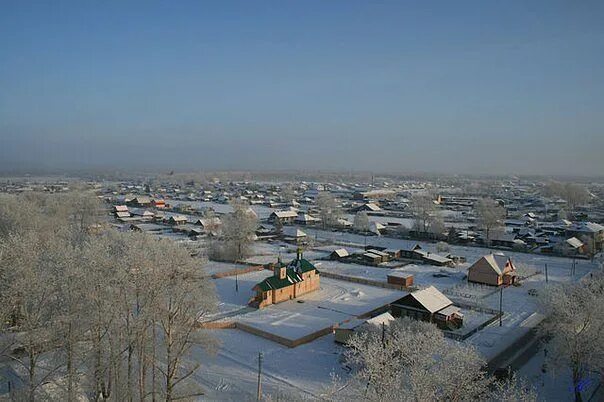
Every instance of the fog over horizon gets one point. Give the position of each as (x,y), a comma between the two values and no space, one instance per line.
(470,88)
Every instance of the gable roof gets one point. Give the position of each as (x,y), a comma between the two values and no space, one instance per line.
(494,261)
(431,299)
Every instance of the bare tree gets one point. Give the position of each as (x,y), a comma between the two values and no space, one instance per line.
(490,216)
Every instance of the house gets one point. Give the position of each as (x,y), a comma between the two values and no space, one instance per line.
(209,224)
(508,240)
(431,305)
(437,259)
(293,233)
(371,258)
(412,253)
(177,220)
(286,217)
(121,211)
(367,207)
(494,270)
(306,219)
(570,247)
(339,254)
(142,213)
(344,331)
(288,282)
(140,201)
(400,278)
(158,203)
(592,234)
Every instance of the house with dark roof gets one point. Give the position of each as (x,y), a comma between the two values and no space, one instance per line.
(288,282)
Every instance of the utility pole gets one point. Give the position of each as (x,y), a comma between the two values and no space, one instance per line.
(259,395)
(236,283)
(546,277)
(500,305)
(383,335)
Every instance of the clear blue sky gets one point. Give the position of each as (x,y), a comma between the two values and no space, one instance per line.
(450,86)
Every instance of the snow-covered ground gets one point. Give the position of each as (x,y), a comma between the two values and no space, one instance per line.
(335,302)
(230,373)
(552,384)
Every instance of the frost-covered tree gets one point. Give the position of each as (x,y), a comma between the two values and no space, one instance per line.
(238,234)
(412,361)
(361,222)
(575,327)
(423,209)
(329,209)
(490,216)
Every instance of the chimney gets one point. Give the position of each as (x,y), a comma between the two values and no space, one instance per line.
(299,253)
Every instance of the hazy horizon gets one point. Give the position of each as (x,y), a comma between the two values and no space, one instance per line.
(471,88)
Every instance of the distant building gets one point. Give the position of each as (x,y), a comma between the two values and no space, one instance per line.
(592,234)
(286,217)
(288,282)
(494,270)
(339,254)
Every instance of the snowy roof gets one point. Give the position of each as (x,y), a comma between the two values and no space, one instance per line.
(432,299)
(574,242)
(589,227)
(341,252)
(293,232)
(285,214)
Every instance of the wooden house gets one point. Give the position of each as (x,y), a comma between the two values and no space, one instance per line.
(286,217)
(429,305)
(339,254)
(494,270)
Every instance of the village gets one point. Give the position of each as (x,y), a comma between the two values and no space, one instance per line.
(323,260)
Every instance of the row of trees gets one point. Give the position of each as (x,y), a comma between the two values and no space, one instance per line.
(93,311)
(573,194)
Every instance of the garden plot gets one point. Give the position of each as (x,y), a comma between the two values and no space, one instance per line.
(335,302)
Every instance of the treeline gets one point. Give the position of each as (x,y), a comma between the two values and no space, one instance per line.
(91,312)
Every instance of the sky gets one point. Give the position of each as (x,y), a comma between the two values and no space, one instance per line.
(482,87)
